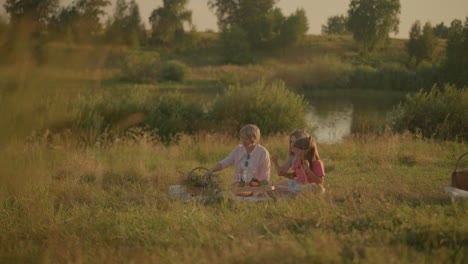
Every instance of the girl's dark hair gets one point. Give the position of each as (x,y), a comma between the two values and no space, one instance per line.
(310,146)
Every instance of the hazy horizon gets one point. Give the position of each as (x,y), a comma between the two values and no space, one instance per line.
(433,11)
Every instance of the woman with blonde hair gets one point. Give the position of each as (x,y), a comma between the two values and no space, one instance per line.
(251,160)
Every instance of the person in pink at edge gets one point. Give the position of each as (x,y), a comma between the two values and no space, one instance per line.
(308,170)
(251,160)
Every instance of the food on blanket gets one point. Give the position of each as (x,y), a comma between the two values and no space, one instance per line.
(244,193)
(254,184)
(239,184)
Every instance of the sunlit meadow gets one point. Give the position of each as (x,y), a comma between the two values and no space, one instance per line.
(85,193)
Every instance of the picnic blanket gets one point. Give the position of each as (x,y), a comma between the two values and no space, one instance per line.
(455,193)
(249,194)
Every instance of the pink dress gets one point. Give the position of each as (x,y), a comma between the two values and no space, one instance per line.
(302,177)
(259,158)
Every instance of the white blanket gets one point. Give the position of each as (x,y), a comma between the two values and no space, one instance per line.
(455,193)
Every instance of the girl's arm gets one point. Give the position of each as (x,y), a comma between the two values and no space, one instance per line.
(283,169)
(308,171)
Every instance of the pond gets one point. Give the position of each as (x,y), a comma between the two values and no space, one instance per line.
(332,117)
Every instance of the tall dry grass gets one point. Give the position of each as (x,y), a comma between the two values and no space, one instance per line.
(105,201)
(384,203)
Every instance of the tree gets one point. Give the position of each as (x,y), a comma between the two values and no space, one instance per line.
(371,21)
(441,31)
(412,46)
(80,21)
(428,43)
(89,24)
(335,25)
(255,18)
(37,12)
(420,46)
(28,20)
(456,66)
(294,28)
(167,22)
(262,22)
(125,26)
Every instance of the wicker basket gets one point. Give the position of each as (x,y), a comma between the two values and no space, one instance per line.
(199,185)
(460,178)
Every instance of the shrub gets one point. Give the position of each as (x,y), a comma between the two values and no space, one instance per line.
(140,67)
(174,113)
(167,116)
(363,77)
(242,75)
(174,71)
(437,113)
(272,107)
(323,72)
(393,76)
(327,72)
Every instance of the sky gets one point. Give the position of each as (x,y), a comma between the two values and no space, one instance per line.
(434,11)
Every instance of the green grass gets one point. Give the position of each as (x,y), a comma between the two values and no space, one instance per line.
(384,204)
(62,201)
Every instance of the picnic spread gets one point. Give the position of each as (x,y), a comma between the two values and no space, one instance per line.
(197,186)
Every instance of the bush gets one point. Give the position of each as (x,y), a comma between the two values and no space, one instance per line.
(140,67)
(437,114)
(272,107)
(327,72)
(174,71)
(324,72)
(174,113)
(393,76)
(167,116)
(363,77)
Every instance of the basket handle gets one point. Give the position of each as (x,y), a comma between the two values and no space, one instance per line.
(456,166)
(203,168)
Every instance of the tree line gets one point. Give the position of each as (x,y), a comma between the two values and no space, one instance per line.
(371,21)
(251,25)
(245,27)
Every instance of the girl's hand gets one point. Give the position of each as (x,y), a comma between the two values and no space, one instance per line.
(306,163)
(291,176)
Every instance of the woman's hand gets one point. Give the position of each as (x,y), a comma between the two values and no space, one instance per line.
(207,174)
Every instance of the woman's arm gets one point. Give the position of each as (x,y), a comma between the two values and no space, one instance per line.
(216,168)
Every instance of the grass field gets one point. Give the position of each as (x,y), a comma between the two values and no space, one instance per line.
(63,200)
(107,204)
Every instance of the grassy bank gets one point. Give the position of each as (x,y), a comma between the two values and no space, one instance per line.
(107,204)
(71,192)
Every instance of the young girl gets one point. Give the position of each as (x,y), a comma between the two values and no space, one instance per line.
(308,171)
(290,158)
